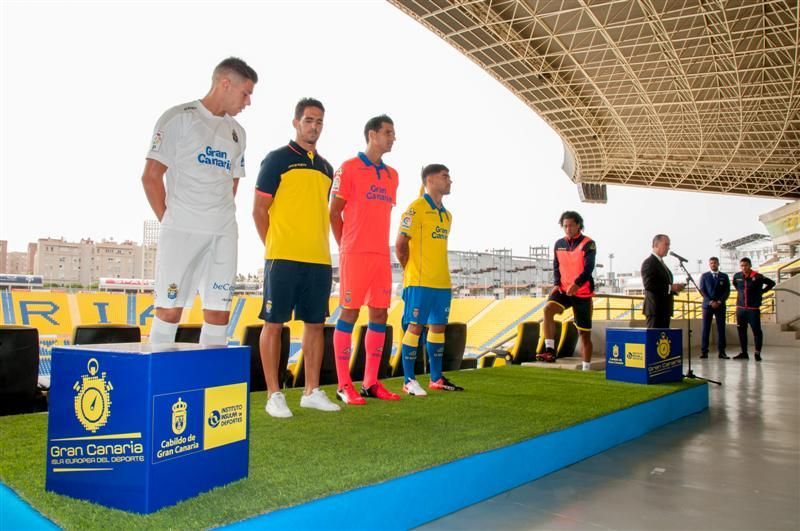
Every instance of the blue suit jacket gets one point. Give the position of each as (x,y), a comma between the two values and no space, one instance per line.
(714,291)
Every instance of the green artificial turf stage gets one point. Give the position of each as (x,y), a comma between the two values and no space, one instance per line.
(315,454)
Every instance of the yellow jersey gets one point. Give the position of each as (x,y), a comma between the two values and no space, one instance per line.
(427,226)
(299,183)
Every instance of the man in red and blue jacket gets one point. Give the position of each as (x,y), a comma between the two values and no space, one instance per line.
(750,285)
(573,264)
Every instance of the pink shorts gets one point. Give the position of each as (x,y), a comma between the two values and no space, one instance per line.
(366,279)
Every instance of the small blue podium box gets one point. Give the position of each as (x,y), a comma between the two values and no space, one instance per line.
(642,355)
(137,427)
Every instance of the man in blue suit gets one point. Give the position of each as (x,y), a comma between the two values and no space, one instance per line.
(715,286)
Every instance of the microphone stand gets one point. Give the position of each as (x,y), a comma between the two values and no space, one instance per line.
(690,374)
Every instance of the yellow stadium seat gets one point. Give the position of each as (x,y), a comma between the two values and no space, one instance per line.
(501,320)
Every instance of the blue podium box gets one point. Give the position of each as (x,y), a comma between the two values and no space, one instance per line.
(642,355)
(138,427)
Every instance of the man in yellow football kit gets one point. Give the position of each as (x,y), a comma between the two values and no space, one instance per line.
(421,248)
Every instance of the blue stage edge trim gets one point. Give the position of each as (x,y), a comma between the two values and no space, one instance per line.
(475,478)
(19,515)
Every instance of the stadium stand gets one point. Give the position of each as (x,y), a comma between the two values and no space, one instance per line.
(501,321)
(610,308)
(490,323)
(243,314)
(465,310)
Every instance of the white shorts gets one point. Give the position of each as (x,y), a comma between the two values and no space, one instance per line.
(188,262)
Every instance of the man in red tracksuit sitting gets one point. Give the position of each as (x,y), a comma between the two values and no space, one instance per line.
(573,263)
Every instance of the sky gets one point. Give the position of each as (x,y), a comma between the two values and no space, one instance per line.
(83,84)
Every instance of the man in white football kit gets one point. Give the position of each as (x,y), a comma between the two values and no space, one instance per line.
(200,148)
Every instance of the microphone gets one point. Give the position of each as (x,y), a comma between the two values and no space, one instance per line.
(679,257)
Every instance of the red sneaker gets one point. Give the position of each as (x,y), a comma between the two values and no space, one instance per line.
(349,396)
(549,355)
(443,384)
(380,392)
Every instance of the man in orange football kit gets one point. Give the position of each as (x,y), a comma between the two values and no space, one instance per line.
(364,192)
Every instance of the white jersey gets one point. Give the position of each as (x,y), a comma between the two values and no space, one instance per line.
(203,153)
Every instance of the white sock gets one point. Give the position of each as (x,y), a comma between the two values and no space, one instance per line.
(211,334)
(587,366)
(549,343)
(162,331)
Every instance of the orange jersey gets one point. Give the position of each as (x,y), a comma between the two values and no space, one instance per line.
(574,263)
(370,191)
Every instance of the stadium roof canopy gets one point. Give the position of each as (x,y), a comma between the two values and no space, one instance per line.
(693,94)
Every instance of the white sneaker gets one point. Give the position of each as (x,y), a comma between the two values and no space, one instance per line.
(276,406)
(414,389)
(318,400)
(586,366)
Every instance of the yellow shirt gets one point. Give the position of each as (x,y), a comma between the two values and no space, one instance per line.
(428,227)
(299,183)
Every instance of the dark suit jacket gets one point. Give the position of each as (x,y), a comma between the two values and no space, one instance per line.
(657,279)
(714,291)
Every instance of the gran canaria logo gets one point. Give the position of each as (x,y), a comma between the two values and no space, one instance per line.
(615,351)
(93,398)
(179,410)
(663,347)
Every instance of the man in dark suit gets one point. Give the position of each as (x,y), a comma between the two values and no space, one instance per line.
(715,286)
(659,288)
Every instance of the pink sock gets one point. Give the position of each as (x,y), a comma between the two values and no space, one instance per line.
(342,348)
(374,346)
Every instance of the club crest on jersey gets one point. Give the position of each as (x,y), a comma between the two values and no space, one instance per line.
(337,180)
(234,136)
(172,291)
(155,145)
